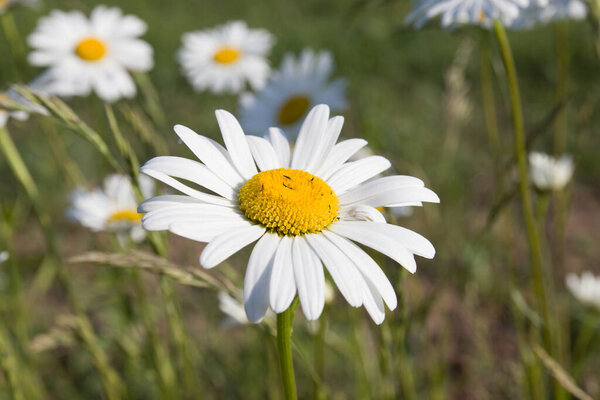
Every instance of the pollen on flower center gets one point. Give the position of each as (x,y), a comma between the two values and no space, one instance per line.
(125,216)
(293,109)
(90,49)
(289,201)
(227,55)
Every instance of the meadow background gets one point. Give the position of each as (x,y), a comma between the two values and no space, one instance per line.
(415,95)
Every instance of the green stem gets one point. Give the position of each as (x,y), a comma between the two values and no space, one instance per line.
(562,79)
(284,345)
(521,154)
(16,45)
(151,99)
(487,96)
(319,357)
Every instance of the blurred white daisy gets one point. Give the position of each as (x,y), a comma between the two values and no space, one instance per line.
(112,208)
(549,173)
(298,85)
(6,4)
(223,59)
(305,208)
(4,256)
(95,54)
(546,11)
(585,288)
(454,13)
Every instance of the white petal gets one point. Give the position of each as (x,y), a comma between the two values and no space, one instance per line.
(360,212)
(398,197)
(369,235)
(340,153)
(324,144)
(263,153)
(206,230)
(167,200)
(161,218)
(282,286)
(311,134)
(235,141)
(281,146)
(258,276)
(385,184)
(192,171)
(210,155)
(229,243)
(341,269)
(356,172)
(367,266)
(310,278)
(373,303)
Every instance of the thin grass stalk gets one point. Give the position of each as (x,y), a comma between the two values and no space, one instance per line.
(319,358)
(151,99)
(562,80)
(14,40)
(487,97)
(10,367)
(521,155)
(70,169)
(284,345)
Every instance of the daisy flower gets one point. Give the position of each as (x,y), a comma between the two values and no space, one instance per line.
(223,59)
(549,173)
(546,11)
(298,85)
(585,288)
(112,208)
(91,54)
(4,256)
(304,209)
(454,13)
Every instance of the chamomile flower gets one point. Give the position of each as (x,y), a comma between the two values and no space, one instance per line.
(304,209)
(298,85)
(585,288)
(227,57)
(112,208)
(91,54)
(4,256)
(549,173)
(546,11)
(454,13)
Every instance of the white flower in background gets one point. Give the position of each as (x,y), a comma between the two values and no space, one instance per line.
(298,85)
(546,11)
(4,256)
(549,173)
(7,4)
(585,288)
(454,13)
(95,54)
(223,59)
(305,208)
(112,208)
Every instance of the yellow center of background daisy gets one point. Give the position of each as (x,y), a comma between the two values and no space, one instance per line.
(125,216)
(4,4)
(227,55)
(90,49)
(293,109)
(289,201)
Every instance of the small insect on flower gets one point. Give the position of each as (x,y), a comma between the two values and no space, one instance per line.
(91,54)
(299,84)
(549,173)
(455,13)
(112,208)
(585,288)
(225,58)
(298,206)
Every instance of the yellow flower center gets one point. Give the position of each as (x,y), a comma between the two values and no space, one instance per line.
(4,4)
(481,16)
(227,55)
(293,109)
(125,216)
(289,201)
(90,49)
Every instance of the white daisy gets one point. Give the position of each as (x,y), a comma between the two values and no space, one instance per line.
(112,208)
(304,208)
(549,173)
(585,288)
(454,13)
(4,256)
(546,11)
(298,85)
(95,54)
(223,59)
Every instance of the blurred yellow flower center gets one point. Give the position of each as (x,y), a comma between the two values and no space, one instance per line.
(481,16)
(289,201)
(293,109)
(125,216)
(4,4)
(227,55)
(90,49)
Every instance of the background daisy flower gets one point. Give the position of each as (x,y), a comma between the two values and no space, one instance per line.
(550,10)
(585,288)
(112,208)
(454,13)
(298,85)
(227,57)
(91,54)
(12,97)
(549,173)
(304,209)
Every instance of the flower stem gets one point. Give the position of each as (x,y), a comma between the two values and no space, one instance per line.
(284,345)
(521,154)
(487,96)
(562,67)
